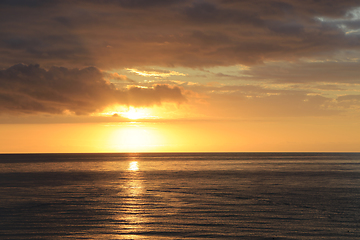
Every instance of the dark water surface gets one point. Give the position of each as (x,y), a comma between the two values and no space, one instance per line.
(176,196)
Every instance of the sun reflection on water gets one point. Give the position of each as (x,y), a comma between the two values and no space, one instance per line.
(133,166)
(133,202)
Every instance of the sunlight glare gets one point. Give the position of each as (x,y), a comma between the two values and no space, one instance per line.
(133,166)
(134,114)
(134,137)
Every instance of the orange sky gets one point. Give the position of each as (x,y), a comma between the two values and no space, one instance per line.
(154,76)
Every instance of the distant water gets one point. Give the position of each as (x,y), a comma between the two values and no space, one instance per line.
(180,196)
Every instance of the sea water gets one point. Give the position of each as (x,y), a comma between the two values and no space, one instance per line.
(180,196)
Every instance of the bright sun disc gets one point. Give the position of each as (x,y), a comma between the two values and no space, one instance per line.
(134,137)
(134,114)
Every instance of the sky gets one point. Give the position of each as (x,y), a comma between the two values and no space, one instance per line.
(179,76)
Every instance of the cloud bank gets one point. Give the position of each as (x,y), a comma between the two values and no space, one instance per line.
(189,33)
(313,44)
(32,89)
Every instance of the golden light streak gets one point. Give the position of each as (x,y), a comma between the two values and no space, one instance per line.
(155,73)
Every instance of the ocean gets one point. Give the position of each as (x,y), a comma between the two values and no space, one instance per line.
(180,196)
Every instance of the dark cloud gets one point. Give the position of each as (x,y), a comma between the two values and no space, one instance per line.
(146,3)
(279,8)
(211,13)
(32,89)
(67,47)
(27,3)
(306,72)
(135,4)
(113,34)
(286,28)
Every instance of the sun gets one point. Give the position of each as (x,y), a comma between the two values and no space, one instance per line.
(134,114)
(134,137)
(130,112)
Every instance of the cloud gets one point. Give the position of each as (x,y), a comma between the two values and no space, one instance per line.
(173,33)
(241,105)
(32,89)
(27,3)
(304,72)
(117,77)
(255,101)
(311,43)
(144,4)
(155,73)
(160,93)
(349,101)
